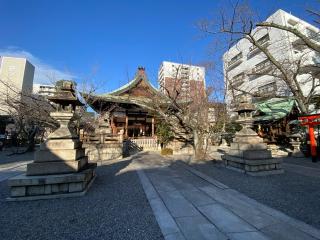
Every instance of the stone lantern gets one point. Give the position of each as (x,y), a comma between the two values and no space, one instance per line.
(60,167)
(245,114)
(248,153)
(295,141)
(66,101)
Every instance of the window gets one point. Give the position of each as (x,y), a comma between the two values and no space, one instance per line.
(261,42)
(235,59)
(313,35)
(262,67)
(264,39)
(292,22)
(267,89)
(237,80)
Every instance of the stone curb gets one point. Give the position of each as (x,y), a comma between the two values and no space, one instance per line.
(203,176)
(167,224)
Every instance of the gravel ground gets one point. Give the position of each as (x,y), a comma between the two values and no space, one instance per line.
(295,194)
(114,208)
(306,162)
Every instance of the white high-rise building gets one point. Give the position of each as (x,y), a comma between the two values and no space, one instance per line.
(247,68)
(16,75)
(44,90)
(188,80)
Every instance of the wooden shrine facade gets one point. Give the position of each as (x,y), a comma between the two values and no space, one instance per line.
(132,121)
(126,107)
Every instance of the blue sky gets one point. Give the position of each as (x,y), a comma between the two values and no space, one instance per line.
(105,41)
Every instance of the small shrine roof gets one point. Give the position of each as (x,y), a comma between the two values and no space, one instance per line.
(274,109)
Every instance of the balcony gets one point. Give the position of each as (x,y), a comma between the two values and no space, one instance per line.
(261,68)
(235,61)
(263,42)
(236,84)
(254,49)
(237,81)
(233,64)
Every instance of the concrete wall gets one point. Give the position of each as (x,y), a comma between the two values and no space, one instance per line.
(16,75)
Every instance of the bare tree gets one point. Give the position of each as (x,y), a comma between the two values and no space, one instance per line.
(29,113)
(186,113)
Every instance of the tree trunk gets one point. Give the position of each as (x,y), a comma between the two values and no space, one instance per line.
(198,145)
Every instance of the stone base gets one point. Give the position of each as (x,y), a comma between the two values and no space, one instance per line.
(260,173)
(297,154)
(104,152)
(25,187)
(259,167)
(56,167)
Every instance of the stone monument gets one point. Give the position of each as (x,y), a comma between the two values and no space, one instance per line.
(248,153)
(60,167)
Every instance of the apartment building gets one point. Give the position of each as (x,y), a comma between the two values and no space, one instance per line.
(44,90)
(16,75)
(246,68)
(186,81)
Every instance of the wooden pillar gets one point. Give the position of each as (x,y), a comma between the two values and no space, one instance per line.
(126,129)
(152,127)
(113,126)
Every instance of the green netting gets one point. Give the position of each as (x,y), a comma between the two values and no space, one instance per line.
(274,109)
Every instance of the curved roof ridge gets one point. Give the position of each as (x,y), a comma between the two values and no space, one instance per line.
(140,75)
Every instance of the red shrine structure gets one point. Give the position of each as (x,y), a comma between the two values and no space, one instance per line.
(311,121)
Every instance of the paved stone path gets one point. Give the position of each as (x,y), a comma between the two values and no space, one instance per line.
(190,205)
(13,169)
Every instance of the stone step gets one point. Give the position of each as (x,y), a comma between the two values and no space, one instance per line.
(59,155)
(253,162)
(58,144)
(250,154)
(56,167)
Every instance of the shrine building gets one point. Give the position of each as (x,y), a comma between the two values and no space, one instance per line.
(129,108)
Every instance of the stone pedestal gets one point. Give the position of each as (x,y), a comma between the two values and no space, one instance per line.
(249,154)
(106,147)
(60,168)
(224,143)
(276,151)
(25,187)
(104,151)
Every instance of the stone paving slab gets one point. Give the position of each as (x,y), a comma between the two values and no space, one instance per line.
(180,184)
(225,220)
(200,207)
(198,227)
(254,216)
(178,205)
(197,197)
(174,236)
(247,236)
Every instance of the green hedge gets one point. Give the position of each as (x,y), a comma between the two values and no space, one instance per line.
(166,151)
